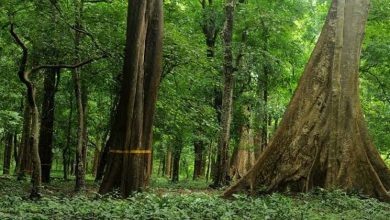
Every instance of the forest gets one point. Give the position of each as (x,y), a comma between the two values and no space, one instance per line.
(195,109)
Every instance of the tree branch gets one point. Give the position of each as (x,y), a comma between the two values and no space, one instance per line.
(66,66)
(83,30)
(23,75)
(98,1)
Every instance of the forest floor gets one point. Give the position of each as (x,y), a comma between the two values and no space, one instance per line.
(185,200)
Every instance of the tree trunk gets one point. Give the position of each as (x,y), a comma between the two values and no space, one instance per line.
(7,153)
(47,123)
(16,153)
(96,156)
(243,157)
(221,177)
(80,165)
(103,157)
(104,151)
(176,163)
(72,167)
(25,165)
(34,117)
(85,127)
(265,116)
(66,154)
(168,162)
(198,162)
(323,140)
(160,167)
(130,155)
(36,161)
(209,158)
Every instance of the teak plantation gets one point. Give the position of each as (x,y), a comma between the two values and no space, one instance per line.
(195,109)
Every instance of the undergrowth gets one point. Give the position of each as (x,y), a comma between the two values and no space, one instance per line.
(174,203)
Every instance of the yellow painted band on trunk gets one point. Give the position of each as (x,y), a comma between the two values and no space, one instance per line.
(131,151)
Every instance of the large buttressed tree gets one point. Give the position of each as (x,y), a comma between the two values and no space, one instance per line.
(130,143)
(323,140)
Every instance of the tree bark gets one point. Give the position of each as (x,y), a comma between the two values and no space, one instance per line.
(198,160)
(323,140)
(47,124)
(16,152)
(168,162)
(96,156)
(34,132)
(84,99)
(103,157)
(129,163)
(81,130)
(243,157)
(25,165)
(221,177)
(9,140)
(66,154)
(209,161)
(176,162)
(265,116)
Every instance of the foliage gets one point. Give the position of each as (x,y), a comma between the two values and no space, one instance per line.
(375,75)
(280,37)
(160,203)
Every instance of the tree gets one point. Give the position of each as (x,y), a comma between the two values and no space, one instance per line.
(51,80)
(9,141)
(33,135)
(81,102)
(47,124)
(130,143)
(32,111)
(25,164)
(322,140)
(222,164)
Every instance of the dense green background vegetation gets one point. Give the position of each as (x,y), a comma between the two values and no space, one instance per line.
(280,36)
(185,102)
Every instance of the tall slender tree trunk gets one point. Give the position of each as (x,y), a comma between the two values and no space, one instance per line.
(265,116)
(103,157)
(96,155)
(48,105)
(66,153)
(85,127)
(211,31)
(47,124)
(209,161)
(80,164)
(198,160)
(36,161)
(323,140)
(32,132)
(129,163)
(9,140)
(176,162)
(221,177)
(25,164)
(16,152)
(168,162)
